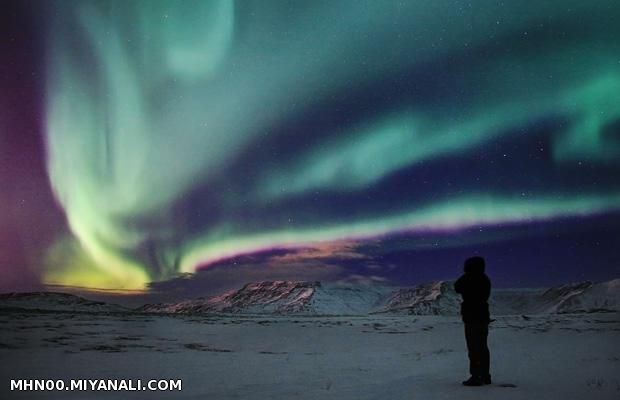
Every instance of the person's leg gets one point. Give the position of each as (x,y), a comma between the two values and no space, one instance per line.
(485,357)
(472,337)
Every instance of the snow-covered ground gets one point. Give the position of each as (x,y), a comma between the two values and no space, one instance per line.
(547,356)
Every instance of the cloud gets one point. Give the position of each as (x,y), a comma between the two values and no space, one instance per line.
(363,280)
(218,279)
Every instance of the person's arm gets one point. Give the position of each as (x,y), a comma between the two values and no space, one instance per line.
(487,289)
(458,285)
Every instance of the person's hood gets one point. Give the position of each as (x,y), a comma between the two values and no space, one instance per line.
(474,265)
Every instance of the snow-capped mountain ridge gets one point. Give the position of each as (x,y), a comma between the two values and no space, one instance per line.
(316,298)
(432,298)
(55,301)
(281,297)
(584,297)
(267,296)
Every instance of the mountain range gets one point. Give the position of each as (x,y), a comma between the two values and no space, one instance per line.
(55,301)
(434,298)
(316,298)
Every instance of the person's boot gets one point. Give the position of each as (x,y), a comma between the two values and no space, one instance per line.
(487,380)
(473,381)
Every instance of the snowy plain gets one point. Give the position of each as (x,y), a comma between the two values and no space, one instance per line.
(549,356)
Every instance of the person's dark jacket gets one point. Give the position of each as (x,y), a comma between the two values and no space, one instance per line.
(475,288)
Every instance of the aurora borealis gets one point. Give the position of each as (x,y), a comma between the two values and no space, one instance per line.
(182,134)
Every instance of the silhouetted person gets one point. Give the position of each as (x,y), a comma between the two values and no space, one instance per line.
(475,288)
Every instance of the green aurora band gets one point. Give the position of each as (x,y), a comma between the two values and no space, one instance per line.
(146,100)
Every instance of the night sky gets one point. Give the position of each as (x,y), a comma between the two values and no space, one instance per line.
(197,145)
